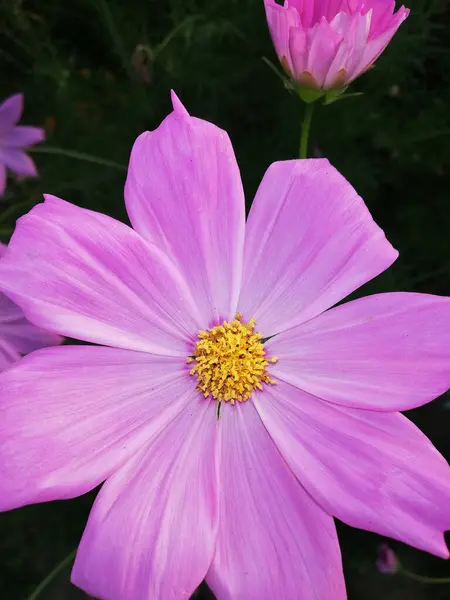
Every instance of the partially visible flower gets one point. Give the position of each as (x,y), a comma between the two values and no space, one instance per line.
(232,408)
(14,139)
(326,44)
(387,561)
(17,335)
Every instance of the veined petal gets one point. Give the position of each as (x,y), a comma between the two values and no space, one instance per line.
(310,241)
(87,276)
(10,112)
(184,193)
(152,530)
(383,352)
(372,470)
(70,416)
(22,136)
(274,541)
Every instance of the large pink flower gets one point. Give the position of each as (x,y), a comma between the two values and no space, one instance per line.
(17,335)
(240,493)
(14,139)
(326,44)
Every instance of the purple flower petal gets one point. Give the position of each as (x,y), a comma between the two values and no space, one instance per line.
(310,241)
(383,352)
(90,277)
(10,112)
(19,162)
(152,530)
(2,179)
(73,415)
(8,356)
(274,541)
(372,470)
(22,136)
(184,193)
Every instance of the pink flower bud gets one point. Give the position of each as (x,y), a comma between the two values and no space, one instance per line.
(326,44)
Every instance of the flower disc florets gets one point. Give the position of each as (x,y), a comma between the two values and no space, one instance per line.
(230,361)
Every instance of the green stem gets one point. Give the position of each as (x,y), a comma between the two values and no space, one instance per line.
(78,156)
(423,578)
(303,150)
(64,563)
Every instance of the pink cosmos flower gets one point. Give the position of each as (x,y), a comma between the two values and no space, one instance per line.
(14,138)
(241,492)
(17,335)
(326,44)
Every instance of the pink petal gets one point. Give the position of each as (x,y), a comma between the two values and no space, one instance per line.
(382,12)
(10,112)
(18,162)
(274,541)
(298,50)
(384,352)
(22,136)
(310,241)
(152,530)
(90,277)
(2,179)
(18,335)
(282,22)
(25,337)
(184,194)
(72,415)
(376,45)
(372,470)
(8,356)
(323,45)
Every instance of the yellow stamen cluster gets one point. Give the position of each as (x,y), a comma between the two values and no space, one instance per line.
(230,361)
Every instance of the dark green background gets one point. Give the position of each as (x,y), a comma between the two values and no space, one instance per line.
(86,78)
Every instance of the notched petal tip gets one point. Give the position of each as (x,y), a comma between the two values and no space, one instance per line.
(178,106)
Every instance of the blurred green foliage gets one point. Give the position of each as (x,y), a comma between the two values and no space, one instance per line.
(96,73)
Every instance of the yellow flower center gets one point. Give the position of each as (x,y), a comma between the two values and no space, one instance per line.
(230,361)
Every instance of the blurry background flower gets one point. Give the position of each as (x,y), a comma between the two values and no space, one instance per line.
(14,139)
(387,561)
(17,335)
(326,44)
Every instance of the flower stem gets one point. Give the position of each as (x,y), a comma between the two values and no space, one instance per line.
(78,156)
(59,567)
(423,578)
(303,150)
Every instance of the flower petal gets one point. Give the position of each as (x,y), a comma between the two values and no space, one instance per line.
(10,112)
(274,541)
(152,530)
(90,277)
(282,22)
(2,179)
(19,162)
(310,241)
(377,45)
(184,193)
(8,356)
(323,45)
(372,470)
(383,352)
(72,415)
(22,136)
